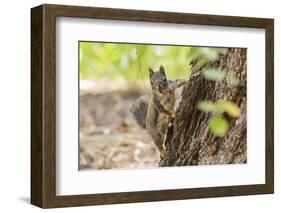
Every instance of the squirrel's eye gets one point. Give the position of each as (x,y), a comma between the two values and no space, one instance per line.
(165,79)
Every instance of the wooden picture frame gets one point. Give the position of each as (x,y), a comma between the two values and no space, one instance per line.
(43,105)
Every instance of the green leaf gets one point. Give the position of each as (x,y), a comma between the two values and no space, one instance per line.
(214,74)
(210,53)
(206,106)
(229,107)
(219,126)
(231,80)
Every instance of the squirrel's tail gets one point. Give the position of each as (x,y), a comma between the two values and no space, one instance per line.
(139,110)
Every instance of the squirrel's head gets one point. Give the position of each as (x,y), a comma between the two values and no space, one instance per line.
(158,80)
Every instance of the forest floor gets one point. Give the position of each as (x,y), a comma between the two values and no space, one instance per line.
(109,138)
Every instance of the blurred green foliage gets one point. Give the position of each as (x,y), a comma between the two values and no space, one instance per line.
(206,106)
(214,74)
(219,106)
(229,107)
(219,126)
(219,75)
(112,61)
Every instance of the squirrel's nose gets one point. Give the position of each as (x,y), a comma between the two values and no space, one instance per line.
(160,87)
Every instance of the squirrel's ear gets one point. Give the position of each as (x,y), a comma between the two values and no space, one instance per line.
(150,71)
(162,70)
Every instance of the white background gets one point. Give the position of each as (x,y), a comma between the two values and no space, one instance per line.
(15,107)
(70,181)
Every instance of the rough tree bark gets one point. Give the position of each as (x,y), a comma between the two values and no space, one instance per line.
(192,142)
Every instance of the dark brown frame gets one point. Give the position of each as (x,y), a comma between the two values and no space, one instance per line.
(43,105)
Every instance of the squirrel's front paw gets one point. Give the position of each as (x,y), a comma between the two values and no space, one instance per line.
(162,154)
(173,115)
(182,82)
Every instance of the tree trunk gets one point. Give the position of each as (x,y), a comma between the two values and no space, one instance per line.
(192,142)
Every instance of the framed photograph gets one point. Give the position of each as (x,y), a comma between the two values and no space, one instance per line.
(136,106)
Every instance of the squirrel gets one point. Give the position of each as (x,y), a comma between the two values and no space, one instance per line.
(153,113)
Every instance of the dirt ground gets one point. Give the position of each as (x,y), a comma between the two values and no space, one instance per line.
(109,138)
